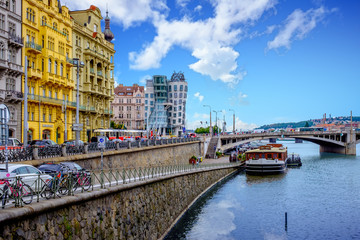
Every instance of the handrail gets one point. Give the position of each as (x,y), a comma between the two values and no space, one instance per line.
(72,183)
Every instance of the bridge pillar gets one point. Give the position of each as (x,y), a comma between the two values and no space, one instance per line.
(348,149)
(272,140)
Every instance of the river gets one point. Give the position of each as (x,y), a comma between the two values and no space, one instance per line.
(321,199)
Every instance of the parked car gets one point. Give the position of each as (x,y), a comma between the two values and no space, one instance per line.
(63,167)
(29,175)
(72,142)
(13,143)
(43,143)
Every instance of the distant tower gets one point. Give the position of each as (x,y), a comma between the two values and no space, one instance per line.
(109,36)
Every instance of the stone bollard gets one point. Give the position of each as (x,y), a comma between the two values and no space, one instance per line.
(63,150)
(161,141)
(148,142)
(117,146)
(139,144)
(86,148)
(129,145)
(36,152)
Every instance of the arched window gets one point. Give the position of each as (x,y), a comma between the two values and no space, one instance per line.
(61,69)
(55,67)
(50,65)
(55,25)
(43,21)
(30,15)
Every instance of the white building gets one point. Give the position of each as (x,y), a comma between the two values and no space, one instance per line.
(11,43)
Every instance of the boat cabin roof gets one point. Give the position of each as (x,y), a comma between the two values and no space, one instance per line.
(270,148)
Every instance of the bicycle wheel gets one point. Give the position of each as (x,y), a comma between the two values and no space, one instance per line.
(26,194)
(86,183)
(48,192)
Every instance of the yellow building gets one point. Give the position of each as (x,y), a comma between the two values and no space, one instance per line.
(94,48)
(47,29)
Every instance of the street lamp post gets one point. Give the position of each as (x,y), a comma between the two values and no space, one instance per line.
(39,113)
(216,121)
(233,119)
(65,132)
(210,130)
(77,126)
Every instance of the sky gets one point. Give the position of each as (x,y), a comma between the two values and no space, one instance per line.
(266,61)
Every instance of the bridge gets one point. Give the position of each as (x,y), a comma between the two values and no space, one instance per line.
(343,142)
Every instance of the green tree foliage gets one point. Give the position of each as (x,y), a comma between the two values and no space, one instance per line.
(114,125)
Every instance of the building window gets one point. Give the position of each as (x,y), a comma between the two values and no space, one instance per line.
(175,87)
(2,50)
(12,29)
(50,117)
(30,15)
(43,21)
(61,69)
(181,87)
(55,67)
(10,84)
(50,65)
(13,6)
(2,21)
(55,25)
(95,28)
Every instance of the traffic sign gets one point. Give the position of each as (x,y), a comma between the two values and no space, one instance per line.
(77,127)
(5,114)
(101,141)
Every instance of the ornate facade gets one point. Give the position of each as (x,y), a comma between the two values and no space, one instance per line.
(128,106)
(94,48)
(11,43)
(48,47)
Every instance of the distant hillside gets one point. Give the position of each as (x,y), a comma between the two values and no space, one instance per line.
(287,125)
(311,122)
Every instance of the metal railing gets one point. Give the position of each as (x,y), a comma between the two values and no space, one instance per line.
(57,184)
(19,154)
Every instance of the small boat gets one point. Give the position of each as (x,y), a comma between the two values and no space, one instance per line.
(293,160)
(268,159)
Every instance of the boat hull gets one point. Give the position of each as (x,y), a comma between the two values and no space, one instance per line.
(263,166)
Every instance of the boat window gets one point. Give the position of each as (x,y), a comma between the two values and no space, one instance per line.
(269,156)
(256,156)
(263,155)
(279,155)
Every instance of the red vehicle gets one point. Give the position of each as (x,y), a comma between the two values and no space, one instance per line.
(193,135)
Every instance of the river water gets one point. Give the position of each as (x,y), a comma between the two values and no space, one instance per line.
(321,198)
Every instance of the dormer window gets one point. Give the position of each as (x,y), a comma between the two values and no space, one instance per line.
(95,28)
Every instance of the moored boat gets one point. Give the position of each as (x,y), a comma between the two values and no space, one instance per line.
(268,159)
(293,160)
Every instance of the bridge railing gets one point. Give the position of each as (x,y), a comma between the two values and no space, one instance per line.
(44,188)
(19,154)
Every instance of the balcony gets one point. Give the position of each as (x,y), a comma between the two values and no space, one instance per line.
(34,73)
(3,64)
(13,96)
(69,61)
(99,73)
(33,47)
(16,41)
(15,69)
(92,71)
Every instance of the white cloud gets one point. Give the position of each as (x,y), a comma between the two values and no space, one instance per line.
(198,96)
(128,12)
(198,8)
(239,99)
(240,125)
(214,41)
(182,3)
(144,78)
(297,25)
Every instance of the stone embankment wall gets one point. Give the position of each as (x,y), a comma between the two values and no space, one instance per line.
(141,210)
(160,155)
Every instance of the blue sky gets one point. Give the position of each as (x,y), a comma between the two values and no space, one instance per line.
(268,60)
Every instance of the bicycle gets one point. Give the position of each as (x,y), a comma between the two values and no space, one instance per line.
(17,191)
(52,187)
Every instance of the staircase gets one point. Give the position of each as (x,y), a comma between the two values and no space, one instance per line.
(211,151)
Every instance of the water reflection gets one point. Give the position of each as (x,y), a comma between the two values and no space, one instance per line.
(256,179)
(322,199)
